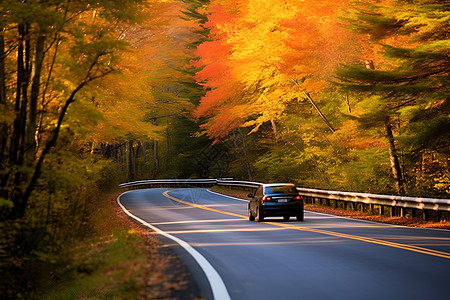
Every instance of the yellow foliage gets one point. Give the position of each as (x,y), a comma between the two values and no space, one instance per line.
(144,90)
(349,135)
(261,46)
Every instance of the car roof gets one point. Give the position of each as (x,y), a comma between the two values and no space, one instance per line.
(277,184)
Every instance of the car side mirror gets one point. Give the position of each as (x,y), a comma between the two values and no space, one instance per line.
(250,195)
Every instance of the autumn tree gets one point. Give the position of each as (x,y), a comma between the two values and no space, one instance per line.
(147,105)
(51,55)
(263,55)
(267,64)
(50,51)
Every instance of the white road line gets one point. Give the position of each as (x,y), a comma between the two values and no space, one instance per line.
(216,283)
(375,223)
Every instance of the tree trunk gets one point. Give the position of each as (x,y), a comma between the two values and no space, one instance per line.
(308,97)
(121,156)
(128,160)
(21,203)
(347,100)
(2,68)
(156,170)
(245,153)
(274,129)
(20,81)
(3,125)
(135,160)
(19,126)
(167,149)
(156,164)
(144,150)
(93,147)
(35,88)
(395,164)
(393,156)
(325,120)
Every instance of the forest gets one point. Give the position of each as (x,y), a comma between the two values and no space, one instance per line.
(337,95)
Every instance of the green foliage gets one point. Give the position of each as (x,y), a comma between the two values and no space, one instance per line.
(409,83)
(367,172)
(186,149)
(5,202)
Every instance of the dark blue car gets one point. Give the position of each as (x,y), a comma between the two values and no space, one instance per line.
(275,200)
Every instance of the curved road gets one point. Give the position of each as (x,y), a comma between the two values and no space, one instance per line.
(324,257)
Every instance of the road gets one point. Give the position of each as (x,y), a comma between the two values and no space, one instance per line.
(324,257)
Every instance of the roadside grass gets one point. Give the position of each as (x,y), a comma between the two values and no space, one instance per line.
(404,221)
(104,268)
(119,260)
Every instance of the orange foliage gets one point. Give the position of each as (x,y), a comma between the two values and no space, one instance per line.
(351,136)
(258,47)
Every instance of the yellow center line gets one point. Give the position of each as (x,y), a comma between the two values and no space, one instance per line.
(326,232)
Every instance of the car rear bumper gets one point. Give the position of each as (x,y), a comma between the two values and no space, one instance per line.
(282,210)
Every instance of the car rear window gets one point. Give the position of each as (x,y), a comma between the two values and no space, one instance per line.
(281,190)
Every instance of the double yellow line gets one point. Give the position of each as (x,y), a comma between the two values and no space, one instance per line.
(326,232)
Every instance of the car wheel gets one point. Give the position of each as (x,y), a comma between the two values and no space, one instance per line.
(259,217)
(250,215)
(300,217)
(286,218)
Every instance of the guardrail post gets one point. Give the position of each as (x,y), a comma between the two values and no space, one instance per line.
(438,215)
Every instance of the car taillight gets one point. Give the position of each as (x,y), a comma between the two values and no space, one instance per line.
(298,198)
(266,199)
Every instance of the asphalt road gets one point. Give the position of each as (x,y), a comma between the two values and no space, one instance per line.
(324,257)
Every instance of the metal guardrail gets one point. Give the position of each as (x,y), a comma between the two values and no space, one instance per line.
(331,198)
(375,199)
(172,182)
(194,181)
(245,184)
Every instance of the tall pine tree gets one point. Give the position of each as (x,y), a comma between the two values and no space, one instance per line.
(410,79)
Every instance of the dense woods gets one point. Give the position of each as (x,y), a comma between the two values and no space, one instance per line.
(343,95)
